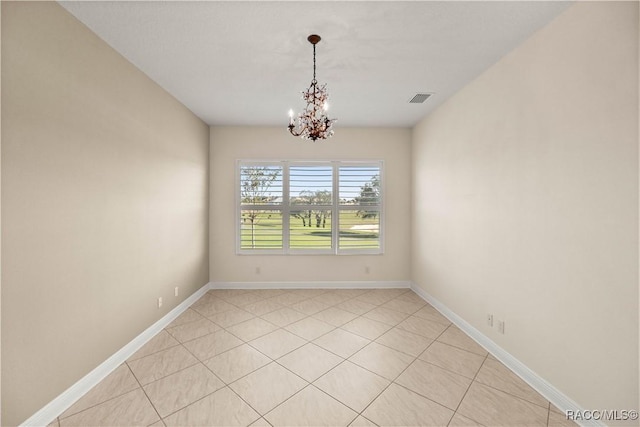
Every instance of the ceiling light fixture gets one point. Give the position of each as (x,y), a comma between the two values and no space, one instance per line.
(313,123)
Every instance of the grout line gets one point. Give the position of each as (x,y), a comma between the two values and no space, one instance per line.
(397,376)
(512,395)
(60,417)
(508,392)
(145,393)
(469,387)
(287,399)
(154,352)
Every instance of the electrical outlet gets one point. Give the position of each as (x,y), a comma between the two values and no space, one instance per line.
(159,302)
(490,320)
(501,326)
(367,270)
(176,291)
(257,270)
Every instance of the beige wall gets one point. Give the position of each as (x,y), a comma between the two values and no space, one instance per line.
(104,203)
(525,203)
(229,144)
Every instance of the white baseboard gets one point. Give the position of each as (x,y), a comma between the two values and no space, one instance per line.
(67,398)
(312,285)
(548,391)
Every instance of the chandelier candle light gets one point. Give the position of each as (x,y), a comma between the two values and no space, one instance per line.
(313,123)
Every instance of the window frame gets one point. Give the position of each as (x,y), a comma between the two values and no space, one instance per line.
(285,207)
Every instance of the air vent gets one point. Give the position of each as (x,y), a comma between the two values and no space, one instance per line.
(419,98)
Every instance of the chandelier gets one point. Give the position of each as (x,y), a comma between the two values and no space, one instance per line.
(313,123)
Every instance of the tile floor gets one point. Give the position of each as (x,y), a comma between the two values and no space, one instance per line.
(309,358)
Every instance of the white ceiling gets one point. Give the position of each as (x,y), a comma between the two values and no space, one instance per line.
(245,63)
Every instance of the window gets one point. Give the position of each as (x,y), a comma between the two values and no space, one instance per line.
(293,207)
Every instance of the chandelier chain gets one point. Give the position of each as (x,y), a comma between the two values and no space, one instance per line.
(314,81)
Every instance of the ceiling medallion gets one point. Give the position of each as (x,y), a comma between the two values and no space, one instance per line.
(313,123)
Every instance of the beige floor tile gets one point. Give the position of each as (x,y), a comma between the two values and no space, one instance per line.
(193,330)
(261,308)
(310,361)
(367,328)
(559,420)
(290,298)
(411,297)
(496,375)
(394,292)
(362,422)
(352,385)
(260,422)
(222,408)
(269,293)
(404,341)
(403,305)
(190,393)
(437,384)
(462,421)
(210,345)
(252,329)
(178,390)
(455,337)
(492,407)
(335,316)
(309,307)
(237,362)
(130,409)
(351,292)
(374,297)
(430,313)
(283,317)
(212,306)
(397,406)
(384,315)
(453,359)
(231,317)
(382,360)
(226,293)
(187,316)
(356,307)
(309,328)
(342,343)
(332,298)
(424,327)
(246,298)
(119,382)
(205,299)
(311,407)
(158,365)
(552,407)
(267,387)
(309,293)
(54,423)
(277,343)
(161,341)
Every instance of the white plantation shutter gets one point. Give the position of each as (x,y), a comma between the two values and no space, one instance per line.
(360,206)
(329,207)
(261,202)
(311,205)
